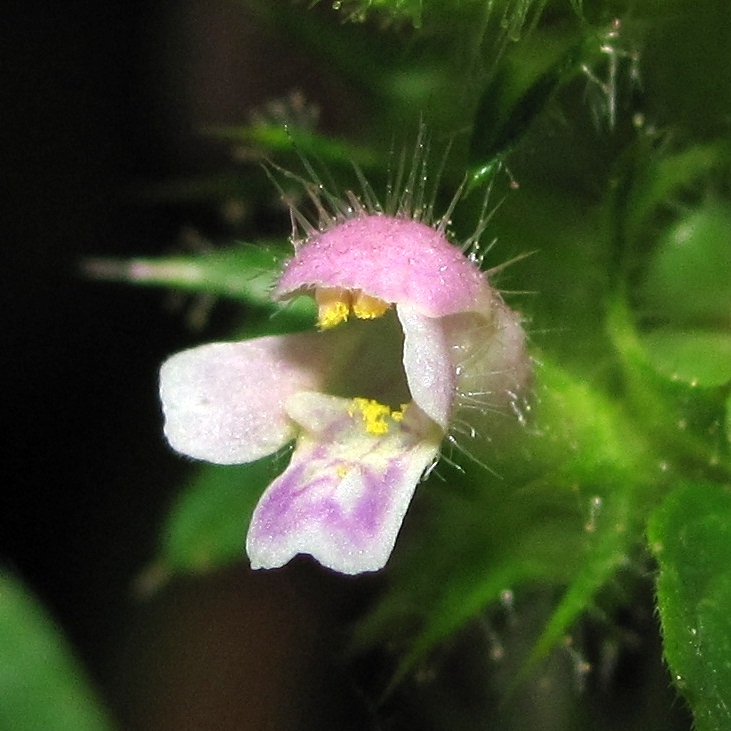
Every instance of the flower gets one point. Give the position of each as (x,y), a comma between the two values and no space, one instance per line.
(411,334)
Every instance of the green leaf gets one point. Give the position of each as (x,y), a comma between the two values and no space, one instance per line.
(684,419)
(567,511)
(614,473)
(570,258)
(665,203)
(207,526)
(690,535)
(281,139)
(689,277)
(685,62)
(519,89)
(42,686)
(468,555)
(687,289)
(698,357)
(244,272)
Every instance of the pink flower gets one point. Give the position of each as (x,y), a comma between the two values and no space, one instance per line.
(411,336)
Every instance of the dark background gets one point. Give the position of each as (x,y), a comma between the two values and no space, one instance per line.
(86,474)
(99,102)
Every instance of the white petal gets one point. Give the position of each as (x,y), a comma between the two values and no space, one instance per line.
(345,493)
(428,364)
(224,402)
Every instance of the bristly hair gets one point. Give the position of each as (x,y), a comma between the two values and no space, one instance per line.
(411,193)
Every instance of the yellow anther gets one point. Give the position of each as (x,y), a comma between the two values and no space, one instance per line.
(332,315)
(374,414)
(368,308)
(333,306)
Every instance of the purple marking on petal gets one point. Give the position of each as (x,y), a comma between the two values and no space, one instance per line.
(344,496)
(398,260)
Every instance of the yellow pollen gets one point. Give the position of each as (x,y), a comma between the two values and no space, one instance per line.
(375,415)
(335,305)
(398,415)
(368,308)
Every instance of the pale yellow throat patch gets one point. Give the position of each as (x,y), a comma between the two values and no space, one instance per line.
(335,305)
(376,417)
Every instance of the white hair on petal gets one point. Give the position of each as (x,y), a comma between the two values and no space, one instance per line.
(411,193)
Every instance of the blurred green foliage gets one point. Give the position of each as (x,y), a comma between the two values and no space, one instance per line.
(602,130)
(43,686)
(690,535)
